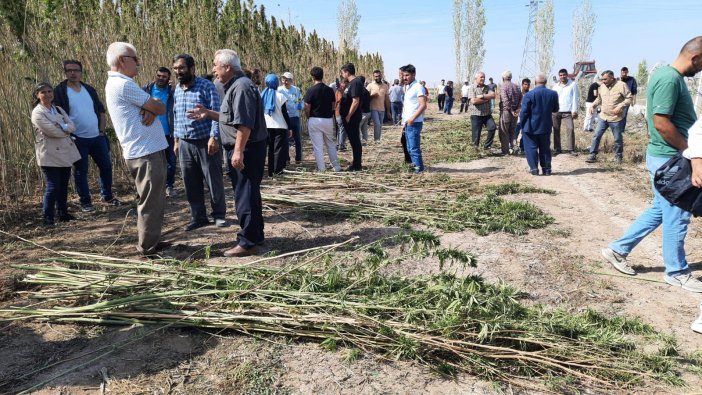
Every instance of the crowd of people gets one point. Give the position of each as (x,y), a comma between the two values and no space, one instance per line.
(201,123)
(197,123)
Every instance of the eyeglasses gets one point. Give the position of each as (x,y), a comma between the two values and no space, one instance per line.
(72,70)
(136,58)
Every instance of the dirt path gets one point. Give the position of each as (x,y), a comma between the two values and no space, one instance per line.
(557,266)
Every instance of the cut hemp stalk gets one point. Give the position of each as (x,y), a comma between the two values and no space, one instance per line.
(450,323)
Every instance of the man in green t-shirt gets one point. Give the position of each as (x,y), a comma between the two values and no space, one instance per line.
(670,114)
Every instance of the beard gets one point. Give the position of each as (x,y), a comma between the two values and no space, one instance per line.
(185,78)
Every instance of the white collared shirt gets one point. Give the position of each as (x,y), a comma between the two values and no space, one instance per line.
(125,99)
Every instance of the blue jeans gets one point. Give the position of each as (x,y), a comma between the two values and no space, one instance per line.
(56,193)
(295,127)
(171,161)
(414,138)
(448,105)
(377,123)
(537,149)
(617,131)
(97,148)
(673,219)
(396,108)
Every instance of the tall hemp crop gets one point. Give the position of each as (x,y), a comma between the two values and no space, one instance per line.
(37,35)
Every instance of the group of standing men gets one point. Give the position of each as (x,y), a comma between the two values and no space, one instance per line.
(197,120)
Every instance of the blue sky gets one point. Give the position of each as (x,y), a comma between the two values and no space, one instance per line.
(421,32)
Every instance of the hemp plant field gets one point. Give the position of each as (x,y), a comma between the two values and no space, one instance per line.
(472,278)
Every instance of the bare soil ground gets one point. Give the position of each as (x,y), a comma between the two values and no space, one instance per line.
(558,266)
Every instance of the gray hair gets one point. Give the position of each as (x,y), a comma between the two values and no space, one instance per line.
(230,57)
(540,78)
(478,74)
(117,49)
(507,75)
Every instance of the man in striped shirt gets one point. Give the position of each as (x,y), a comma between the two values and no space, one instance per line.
(197,144)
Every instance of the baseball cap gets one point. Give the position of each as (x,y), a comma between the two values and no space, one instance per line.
(288,75)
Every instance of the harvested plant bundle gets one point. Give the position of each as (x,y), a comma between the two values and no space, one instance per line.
(438,201)
(345,298)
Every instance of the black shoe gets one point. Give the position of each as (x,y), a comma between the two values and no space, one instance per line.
(66,217)
(547,172)
(591,159)
(351,168)
(48,223)
(556,153)
(192,225)
(534,172)
(111,202)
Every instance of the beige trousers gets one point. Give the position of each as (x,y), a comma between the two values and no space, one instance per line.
(149,174)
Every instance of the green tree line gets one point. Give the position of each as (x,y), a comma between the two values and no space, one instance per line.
(37,35)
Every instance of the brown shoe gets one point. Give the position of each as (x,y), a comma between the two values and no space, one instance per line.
(240,251)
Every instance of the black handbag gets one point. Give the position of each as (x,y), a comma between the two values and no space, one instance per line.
(673,182)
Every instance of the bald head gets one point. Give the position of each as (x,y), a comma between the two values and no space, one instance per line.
(540,78)
(693,47)
(689,61)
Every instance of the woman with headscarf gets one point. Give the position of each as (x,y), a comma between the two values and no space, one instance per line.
(277,123)
(55,152)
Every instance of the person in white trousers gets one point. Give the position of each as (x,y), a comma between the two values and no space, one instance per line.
(320,102)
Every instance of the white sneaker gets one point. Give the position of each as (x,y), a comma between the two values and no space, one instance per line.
(697,324)
(221,223)
(685,281)
(618,261)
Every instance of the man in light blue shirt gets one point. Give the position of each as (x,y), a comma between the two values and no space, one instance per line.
(294,105)
(162,90)
(397,95)
(568,98)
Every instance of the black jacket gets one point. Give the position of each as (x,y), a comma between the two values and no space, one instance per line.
(169,106)
(61,98)
(673,182)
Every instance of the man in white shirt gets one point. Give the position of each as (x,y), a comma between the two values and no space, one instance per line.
(568,98)
(413,115)
(82,104)
(441,95)
(465,93)
(133,112)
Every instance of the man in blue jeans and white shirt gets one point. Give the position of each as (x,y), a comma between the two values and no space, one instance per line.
(413,115)
(670,114)
(293,105)
(82,104)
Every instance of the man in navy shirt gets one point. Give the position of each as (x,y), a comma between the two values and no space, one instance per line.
(537,123)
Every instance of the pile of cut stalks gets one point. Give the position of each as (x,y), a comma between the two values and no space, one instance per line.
(345,295)
(433,200)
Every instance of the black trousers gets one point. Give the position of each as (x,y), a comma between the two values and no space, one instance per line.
(477,122)
(354,134)
(464,104)
(277,150)
(247,193)
(441,100)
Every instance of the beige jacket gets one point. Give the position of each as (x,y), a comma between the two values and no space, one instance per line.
(612,99)
(54,146)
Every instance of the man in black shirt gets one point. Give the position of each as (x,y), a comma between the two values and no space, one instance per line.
(590,119)
(319,108)
(351,112)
